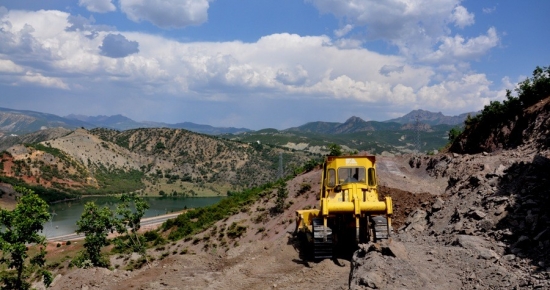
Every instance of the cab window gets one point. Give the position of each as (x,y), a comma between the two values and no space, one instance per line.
(331,178)
(372,177)
(351,174)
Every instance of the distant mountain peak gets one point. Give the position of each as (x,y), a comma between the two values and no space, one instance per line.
(430,118)
(354,119)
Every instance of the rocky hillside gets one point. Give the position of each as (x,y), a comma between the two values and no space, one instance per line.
(153,161)
(34,137)
(489,228)
(519,120)
(527,126)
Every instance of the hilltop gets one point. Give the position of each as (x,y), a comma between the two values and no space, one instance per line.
(431,118)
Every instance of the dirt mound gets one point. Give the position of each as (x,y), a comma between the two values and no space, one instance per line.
(404,203)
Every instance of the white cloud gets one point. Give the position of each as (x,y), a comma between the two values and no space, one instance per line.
(167,13)
(36,78)
(292,76)
(8,66)
(343,31)
(393,20)
(458,48)
(275,66)
(489,10)
(461,17)
(100,6)
(470,92)
(416,27)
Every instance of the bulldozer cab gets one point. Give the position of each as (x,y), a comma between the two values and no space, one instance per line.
(342,175)
(348,201)
(353,169)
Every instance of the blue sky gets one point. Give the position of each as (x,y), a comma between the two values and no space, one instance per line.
(261,63)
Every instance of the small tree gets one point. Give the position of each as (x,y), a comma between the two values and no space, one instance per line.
(96,224)
(282,194)
(19,228)
(335,149)
(453,134)
(129,222)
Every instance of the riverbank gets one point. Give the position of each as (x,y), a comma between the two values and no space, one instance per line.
(147,224)
(65,215)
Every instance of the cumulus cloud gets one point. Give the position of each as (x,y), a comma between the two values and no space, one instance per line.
(23,47)
(416,27)
(100,6)
(278,65)
(461,17)
(459,48)
(293,76)
(116,45)
(167,13)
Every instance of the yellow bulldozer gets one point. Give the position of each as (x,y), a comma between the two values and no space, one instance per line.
(349,207)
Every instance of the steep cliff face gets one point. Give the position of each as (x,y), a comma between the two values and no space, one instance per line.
(530,126)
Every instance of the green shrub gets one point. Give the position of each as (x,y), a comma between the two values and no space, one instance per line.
(199,219)
(282,194)
(528,92)
(235,230)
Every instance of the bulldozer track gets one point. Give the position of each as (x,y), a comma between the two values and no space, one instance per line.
(322,248)
(380,225)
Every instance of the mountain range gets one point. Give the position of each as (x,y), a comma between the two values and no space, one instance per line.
(23,121)
(432,118)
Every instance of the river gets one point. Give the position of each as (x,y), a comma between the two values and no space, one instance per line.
(65,214)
